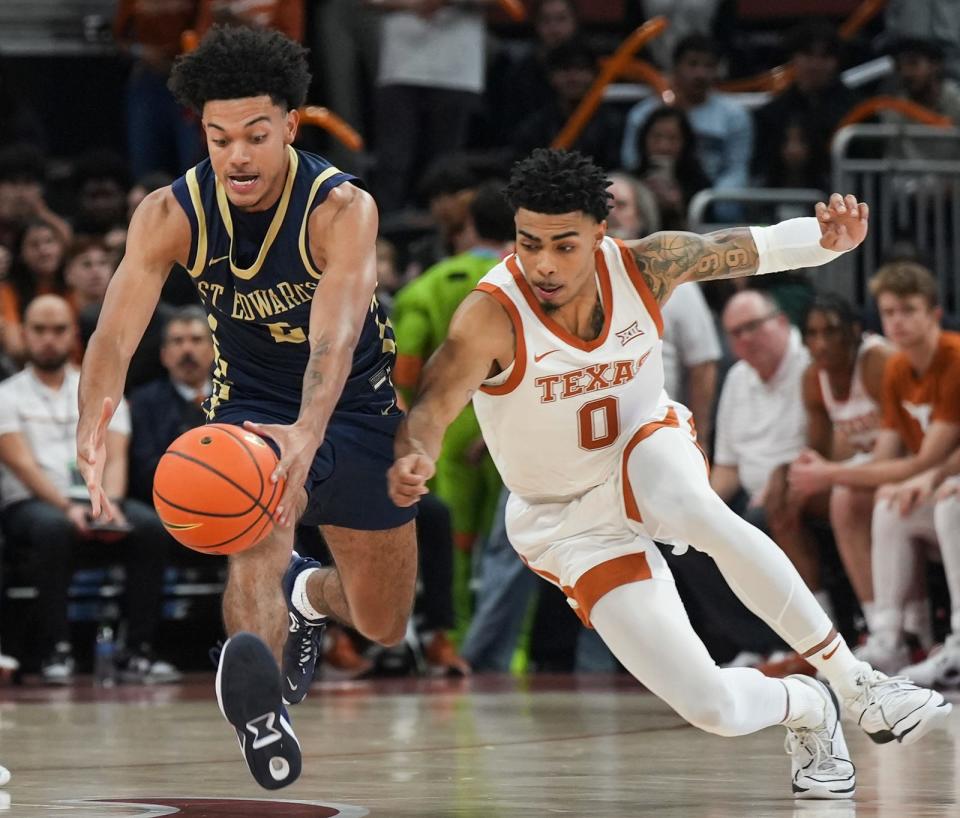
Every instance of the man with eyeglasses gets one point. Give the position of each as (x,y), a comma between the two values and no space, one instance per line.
(761,422)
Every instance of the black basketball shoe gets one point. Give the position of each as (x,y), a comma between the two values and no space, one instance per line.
(249,694)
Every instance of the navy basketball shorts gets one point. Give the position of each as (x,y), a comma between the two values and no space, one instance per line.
(347,482)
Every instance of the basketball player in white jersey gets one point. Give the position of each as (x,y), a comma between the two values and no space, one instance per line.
(560,352)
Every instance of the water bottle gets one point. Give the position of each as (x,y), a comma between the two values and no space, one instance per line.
(104,667)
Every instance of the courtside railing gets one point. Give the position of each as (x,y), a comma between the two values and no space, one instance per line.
(910,177)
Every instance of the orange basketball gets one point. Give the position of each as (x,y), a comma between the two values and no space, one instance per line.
(212,489)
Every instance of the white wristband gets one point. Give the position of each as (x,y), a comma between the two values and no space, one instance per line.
(790,245)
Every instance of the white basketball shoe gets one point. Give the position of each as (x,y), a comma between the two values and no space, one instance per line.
(940,669)
(819,760)
(892,708)
(884,652)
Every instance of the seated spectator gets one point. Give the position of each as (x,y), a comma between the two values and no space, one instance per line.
(36,270)
(685,17)
(21,122)
(794,129)
(761,423)
(101,181)
(723,127)
(795,162)
(920,428)
(525,84)
(163,409)
(633,208)
(87,272)
(46,517)
(143,186)
(22,175)
(448,187)
(571,70)
(920,79)
(928,20)
(668,164)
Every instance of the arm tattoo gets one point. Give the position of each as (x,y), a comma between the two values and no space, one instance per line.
(665,258)
(313,377)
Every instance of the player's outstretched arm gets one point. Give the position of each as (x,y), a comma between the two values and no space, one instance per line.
(479,342)
(670,258)
(159,236)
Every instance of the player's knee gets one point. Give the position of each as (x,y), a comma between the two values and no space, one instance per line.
(689,514)
(714,712)
(885,515)
(384,627)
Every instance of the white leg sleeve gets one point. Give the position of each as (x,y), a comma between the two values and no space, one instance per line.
(894,556)
(646,627)
(947,520)
(669,480)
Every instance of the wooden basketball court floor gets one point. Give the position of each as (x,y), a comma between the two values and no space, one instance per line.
(492,747)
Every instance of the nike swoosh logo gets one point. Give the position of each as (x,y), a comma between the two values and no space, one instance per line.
(542,355)
(826,656)
(181,526)
(217,260)
(292,685)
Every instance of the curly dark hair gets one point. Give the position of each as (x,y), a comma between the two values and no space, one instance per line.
(552,181)
(234,62)
(832,304)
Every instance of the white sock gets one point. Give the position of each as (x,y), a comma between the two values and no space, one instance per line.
(300,599)
(836,662)
(805,707)
(916,620)
(870,614)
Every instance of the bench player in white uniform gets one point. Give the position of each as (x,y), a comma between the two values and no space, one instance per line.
(560,351)
(845,428)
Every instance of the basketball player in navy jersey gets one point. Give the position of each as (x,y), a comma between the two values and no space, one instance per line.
(280,246)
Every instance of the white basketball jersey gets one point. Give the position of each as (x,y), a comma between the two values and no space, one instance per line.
(557,419)
(857,419)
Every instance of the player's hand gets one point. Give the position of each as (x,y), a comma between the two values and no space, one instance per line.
(407,479)
(809,474)
(77,515)
(843,222)
(92,457)
(298,447)
(913,493)
(949,488)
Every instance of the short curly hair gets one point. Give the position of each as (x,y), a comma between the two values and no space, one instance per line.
(552,181)
(234,62)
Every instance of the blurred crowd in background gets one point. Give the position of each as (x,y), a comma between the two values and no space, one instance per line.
(446,95)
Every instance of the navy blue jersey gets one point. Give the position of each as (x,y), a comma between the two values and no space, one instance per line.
(256,279)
